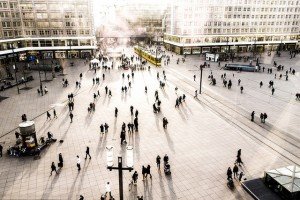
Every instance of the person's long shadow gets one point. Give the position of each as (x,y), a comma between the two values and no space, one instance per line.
(104,99)
(108,102)
(169,140)
(64,120)
(148,192)
(137,144)
(115,128)
(188,108)
(73,186)
(185,113)
(161,184)
(171,187)
(88,118)
(65,133)
(181,114)
(83,170)
(102,144)
(165,94)
(48,190)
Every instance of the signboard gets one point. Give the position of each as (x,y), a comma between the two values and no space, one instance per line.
(212,57)
(22,56)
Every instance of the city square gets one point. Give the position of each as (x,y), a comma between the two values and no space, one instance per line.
(208,121)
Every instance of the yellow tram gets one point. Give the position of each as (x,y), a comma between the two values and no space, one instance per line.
(148,56)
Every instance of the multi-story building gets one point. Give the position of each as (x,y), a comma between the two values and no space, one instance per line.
(46,29)
(196,26)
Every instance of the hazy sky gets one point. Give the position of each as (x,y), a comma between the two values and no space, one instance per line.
(103,9)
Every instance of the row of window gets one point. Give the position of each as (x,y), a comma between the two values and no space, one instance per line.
(17,33)
(230,2)
(32,24)
(259,9)
(237,16)
(30,15)
(236,30)
(57,32)
(264,23)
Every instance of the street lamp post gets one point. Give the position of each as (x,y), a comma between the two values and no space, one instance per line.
(201,69)
(156,57)
(15,68)
(254,48)
(120,167)
(41,85)
(16,78)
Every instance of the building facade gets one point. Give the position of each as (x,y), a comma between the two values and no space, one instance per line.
(196,26)
(46,29)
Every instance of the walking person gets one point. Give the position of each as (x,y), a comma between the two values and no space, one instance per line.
(260,84)
(123,137)
(1,148)
(109,93)
(242,88)
(261,118)
(196,94)
(136,113)
(71,117)
(252,116)
(239,153)
(146,89)
(158,161)
(60,160)
(149,171)
(87,152)
(265,117)
(235,171)
(136,124)
(135,176)
(78,161)
(53,168)
(102,129)
(116,112)
(48,115)
(229,173)
(241,176)
(273,90)
(106,127)
(106,90)
(165,123)
(239,161)
(144,172)
(131,110)
(194,77)
(54,113)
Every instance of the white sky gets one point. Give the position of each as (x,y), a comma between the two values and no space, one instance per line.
(102,7)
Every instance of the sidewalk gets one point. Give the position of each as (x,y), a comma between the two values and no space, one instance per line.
(200,143)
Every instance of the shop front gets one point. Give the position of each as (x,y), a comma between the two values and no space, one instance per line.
(86,53)
(22,56)
(73,54)
(60,54)
(47,54)
(196,50)
(187,50)
(32,55)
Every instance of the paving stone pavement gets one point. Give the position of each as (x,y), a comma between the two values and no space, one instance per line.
(200,142)
(282,107)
